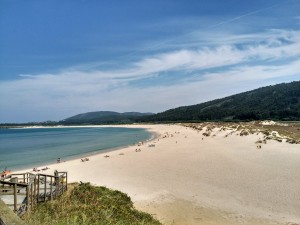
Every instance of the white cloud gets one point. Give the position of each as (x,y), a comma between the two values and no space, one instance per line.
(273,45)
(55,96)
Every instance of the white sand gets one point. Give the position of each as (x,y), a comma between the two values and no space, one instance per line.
(187,180)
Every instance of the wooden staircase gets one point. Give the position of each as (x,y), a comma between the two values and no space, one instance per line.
(21,192)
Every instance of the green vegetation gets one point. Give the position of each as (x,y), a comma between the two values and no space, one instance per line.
(287,130)
(103,117)
(278,102)
(18,125)
(7,216)
(87,204)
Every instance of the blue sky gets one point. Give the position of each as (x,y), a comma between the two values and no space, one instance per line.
(61,58)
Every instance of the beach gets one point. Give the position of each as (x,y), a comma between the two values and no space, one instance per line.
(184,177)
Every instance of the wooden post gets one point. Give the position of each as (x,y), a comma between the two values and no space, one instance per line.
(24,178)
(45,189)
(27,197)
(66,181)
(51,184)
(34,190)
(62,184)
(15,197)
(31,197)
(38,188)
(58,186)
(56,183)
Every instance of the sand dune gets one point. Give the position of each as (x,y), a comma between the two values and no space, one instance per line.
(187,178)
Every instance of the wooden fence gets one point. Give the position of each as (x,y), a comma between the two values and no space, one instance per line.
(23,191)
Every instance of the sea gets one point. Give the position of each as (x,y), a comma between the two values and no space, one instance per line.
(33,147)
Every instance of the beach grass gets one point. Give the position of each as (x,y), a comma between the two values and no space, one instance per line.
(88,204)
(288,130)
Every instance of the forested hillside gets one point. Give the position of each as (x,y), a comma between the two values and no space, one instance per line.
(103,117)
(277,102)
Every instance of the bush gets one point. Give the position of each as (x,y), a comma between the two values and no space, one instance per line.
(91,205)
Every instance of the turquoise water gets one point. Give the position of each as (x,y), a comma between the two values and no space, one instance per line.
(33,147)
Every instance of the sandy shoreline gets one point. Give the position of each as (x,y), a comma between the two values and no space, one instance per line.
(188,178)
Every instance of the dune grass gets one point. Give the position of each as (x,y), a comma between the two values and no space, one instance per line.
(87,204)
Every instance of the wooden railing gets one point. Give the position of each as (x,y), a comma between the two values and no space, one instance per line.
(23,191)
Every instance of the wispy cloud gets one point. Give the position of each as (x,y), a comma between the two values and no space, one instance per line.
(246,61)
(274,45)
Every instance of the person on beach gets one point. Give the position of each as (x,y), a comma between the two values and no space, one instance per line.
(5,172)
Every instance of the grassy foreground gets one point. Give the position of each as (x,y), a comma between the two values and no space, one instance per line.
(87,204)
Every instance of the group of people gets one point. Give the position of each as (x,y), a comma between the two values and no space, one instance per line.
(85,159)
(5,172)
(35,169)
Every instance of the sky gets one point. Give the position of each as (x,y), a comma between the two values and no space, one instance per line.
(61,58)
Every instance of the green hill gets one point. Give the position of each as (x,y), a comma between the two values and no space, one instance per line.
(277,102)
(103,117)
